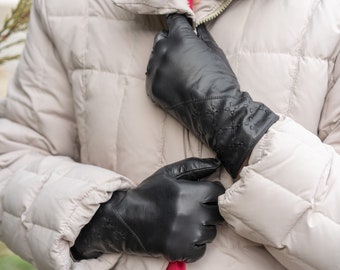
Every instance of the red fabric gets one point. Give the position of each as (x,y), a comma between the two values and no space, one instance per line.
(190,3)
(176,266)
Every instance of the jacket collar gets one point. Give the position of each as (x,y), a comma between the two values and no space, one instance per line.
(204,11)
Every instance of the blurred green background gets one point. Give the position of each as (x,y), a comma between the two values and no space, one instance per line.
(10,261)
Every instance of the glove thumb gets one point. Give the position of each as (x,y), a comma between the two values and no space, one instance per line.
(179,25)
(159,36)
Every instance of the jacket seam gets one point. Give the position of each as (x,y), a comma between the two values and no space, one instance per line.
(325,132)
(108,71)
(118,3)
(40,78)
(329,131)
(118,124)
(90,16)
(239,47)
(324,59)
(49,35)
(299,56)
(84,78)
(124,96)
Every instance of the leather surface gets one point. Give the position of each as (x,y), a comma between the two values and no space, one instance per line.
(169,214)
(190,78)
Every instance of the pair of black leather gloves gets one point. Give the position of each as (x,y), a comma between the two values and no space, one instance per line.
(171,213)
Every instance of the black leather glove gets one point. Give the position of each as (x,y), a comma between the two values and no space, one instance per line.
(189,76)
(170,214)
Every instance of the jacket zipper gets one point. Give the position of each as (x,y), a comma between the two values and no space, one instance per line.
(215,14)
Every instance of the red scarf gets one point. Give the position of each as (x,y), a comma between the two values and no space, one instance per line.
(190,3)
(176,266)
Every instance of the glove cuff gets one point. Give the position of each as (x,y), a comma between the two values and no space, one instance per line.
(105,233)
(230,125)
(247,131)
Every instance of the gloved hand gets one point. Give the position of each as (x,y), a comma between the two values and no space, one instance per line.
(189,76)
(172,213)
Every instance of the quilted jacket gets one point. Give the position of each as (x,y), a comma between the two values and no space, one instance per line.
(77,125)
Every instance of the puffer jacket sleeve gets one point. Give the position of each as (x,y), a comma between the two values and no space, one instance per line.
(288,197)
(46,197)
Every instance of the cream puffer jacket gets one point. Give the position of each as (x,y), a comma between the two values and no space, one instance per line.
(78,125)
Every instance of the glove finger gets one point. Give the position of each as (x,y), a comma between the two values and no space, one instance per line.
(192,168)
(197,253)
(210,203)
(212,215)
(160,36)
(208,234)
(189,255)
(215,190)
(150,69)
(204,34)
(179,25)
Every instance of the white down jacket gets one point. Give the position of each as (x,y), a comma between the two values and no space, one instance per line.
(77,125)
